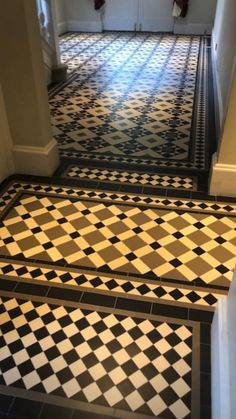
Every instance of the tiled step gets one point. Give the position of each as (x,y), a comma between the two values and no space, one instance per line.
(131,178)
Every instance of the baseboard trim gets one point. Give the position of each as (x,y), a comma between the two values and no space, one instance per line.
(40,161)
(61,28)
(84,26)
(180,27)
(222,179)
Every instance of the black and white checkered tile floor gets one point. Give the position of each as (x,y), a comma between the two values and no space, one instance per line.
(81,340)
(111,270)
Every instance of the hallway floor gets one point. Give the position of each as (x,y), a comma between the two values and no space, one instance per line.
(111,270)
(135,105)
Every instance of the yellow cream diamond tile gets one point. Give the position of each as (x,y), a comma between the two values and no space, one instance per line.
(81,134)
(230,235)
(136,103)
(122,248)
(210,260)
(189,244)
(102,245)
(146,237)
(62,119)
(34,251)
(90,122)
(74,257)
(118,263)
(106,232)
(161,364)
(166,240)
(187,257)
(143,251)
(183,332)
(183,349)
(186,272)
(116,137)
(13,249)
(122,124)
(105,101)
(99,111)
(129,113)
(140,266)
(165,254)
(209,246)
(126,235)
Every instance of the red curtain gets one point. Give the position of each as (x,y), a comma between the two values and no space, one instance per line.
(183,4)
(98,4)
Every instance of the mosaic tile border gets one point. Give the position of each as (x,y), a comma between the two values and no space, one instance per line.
(110,285)
(132,178)
(209,204)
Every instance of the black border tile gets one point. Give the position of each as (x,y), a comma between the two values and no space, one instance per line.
(133,305)
(31,289)
(170,311)
(98,299)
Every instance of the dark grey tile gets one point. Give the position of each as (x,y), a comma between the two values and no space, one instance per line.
(5,403)
(201,315)
(59,412)
(170,311)
(79,414)
(133,305)
(98,299)
(26,408)
(7,284)
(31,289)
(64,294)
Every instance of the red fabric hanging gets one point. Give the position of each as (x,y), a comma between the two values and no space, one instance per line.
(183,4)
(98,4)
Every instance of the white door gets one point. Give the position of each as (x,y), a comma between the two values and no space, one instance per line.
(120,15)
(156,15)
(140,15)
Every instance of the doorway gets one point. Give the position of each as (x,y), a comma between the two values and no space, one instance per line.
(138,15)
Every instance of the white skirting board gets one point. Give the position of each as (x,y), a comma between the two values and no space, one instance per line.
(62,28)
(183,28)
(222,179)
(84,26)
(40,161)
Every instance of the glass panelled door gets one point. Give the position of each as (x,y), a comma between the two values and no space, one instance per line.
(138,15)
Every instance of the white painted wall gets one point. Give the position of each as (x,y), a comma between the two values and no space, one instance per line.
(6,160)
(223,355)
(81,16)
(199,20)
(224,52)
(60,6)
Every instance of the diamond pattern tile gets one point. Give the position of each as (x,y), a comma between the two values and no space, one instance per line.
(110,284)
(135,364)
(131,98)
(133,178)
(182,245)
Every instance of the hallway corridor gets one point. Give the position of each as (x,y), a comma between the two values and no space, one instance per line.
(136,102)
(112,268)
